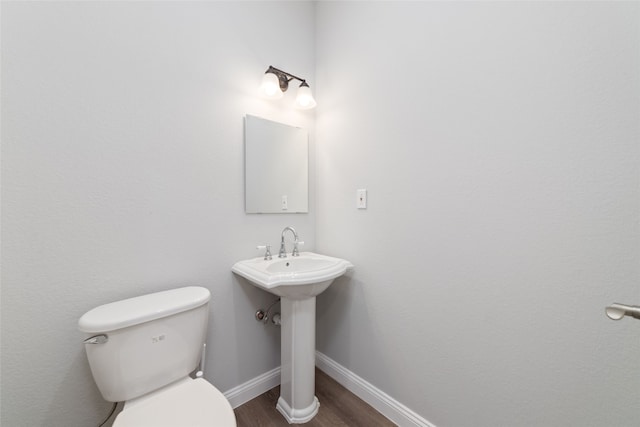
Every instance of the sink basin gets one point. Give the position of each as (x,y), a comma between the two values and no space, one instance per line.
(300,277)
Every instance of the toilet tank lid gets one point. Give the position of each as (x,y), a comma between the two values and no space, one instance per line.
(133,311)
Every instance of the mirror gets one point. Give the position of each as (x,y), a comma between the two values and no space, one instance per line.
(276,167)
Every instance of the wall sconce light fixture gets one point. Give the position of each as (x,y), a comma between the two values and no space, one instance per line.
(275,82)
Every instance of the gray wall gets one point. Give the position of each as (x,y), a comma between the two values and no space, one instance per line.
(499,143)
(122,174)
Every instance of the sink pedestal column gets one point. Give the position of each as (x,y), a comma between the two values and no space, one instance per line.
(297,402)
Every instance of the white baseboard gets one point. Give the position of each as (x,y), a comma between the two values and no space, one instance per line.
(379,400)
(253,388)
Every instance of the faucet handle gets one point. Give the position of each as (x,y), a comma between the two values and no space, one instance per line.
(295,251)
(267,253)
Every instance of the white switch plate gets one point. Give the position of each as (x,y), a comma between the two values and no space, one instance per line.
(285,203)
(361,198)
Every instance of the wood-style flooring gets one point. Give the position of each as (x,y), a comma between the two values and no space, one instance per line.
(338,407)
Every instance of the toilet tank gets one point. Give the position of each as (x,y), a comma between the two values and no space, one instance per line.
(151,341)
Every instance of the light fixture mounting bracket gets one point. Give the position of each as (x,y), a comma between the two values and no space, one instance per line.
(284,78)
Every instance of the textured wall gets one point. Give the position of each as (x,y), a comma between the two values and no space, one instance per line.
(122,174)
(499,145)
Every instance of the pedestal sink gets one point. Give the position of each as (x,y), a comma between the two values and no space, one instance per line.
(297,281)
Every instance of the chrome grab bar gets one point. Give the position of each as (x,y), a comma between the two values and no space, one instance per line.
(617,311)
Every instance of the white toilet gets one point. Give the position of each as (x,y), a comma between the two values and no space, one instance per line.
(142,351)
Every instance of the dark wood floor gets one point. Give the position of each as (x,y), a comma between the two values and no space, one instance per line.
(338,407)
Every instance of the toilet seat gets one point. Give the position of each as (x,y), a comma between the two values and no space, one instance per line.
(192,403)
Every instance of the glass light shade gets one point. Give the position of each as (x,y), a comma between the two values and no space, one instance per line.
(271,86)
(304,98)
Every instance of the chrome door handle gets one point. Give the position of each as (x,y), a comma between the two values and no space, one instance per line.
(617,311)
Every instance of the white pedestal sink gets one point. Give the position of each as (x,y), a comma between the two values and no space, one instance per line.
(297,281)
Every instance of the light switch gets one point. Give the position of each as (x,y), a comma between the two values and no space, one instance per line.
(361,198)
(285,203)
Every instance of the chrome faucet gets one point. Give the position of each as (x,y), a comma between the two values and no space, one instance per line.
(283,251)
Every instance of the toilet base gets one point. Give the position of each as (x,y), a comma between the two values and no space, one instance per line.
(298,416)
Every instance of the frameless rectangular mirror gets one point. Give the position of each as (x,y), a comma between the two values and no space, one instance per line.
(276,167)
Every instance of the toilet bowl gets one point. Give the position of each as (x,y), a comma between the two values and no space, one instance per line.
(193,403)
(143,351)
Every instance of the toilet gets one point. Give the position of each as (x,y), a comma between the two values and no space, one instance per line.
(143,351)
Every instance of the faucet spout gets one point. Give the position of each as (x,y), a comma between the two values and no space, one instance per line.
(283,251)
